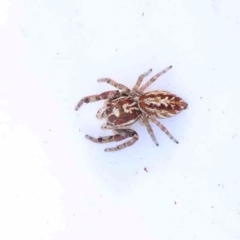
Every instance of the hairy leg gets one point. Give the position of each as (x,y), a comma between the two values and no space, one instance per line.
(140,79)
(115,84)
(101,113)
(153,79)
(154,120)
(146,123)
(107,126)
(98,97)
(120,135)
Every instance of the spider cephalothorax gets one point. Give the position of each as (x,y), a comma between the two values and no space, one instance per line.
(123,108)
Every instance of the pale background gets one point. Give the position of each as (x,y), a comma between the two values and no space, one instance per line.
(57,185)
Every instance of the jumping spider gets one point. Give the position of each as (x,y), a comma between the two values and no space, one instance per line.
(123,108)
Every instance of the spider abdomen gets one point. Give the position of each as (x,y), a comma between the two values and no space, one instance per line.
(161,104)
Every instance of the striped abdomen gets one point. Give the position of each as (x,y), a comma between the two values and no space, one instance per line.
(161,104)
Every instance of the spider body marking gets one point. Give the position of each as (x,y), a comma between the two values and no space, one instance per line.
(124,107)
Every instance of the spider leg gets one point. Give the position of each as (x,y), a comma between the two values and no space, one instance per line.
(125,134)
(98,97)
(154,120)
(140,79)
(114,84)
(153,79)
(121,135)
(146,123)
(105,139)
(101,112)
(108,126)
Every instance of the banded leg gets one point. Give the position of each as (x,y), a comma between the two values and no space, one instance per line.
(108,127)
(153,79)
(140,79)
(114,84)
(121,135)
(154,120)
(98,97)
(101,113)
(149,129)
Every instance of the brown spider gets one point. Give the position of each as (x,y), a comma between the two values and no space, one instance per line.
(123,108)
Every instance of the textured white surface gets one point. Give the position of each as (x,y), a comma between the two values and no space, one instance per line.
(57,185)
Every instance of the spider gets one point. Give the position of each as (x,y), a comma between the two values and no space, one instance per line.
(125,106)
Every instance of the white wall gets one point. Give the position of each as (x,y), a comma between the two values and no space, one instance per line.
(57,185)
